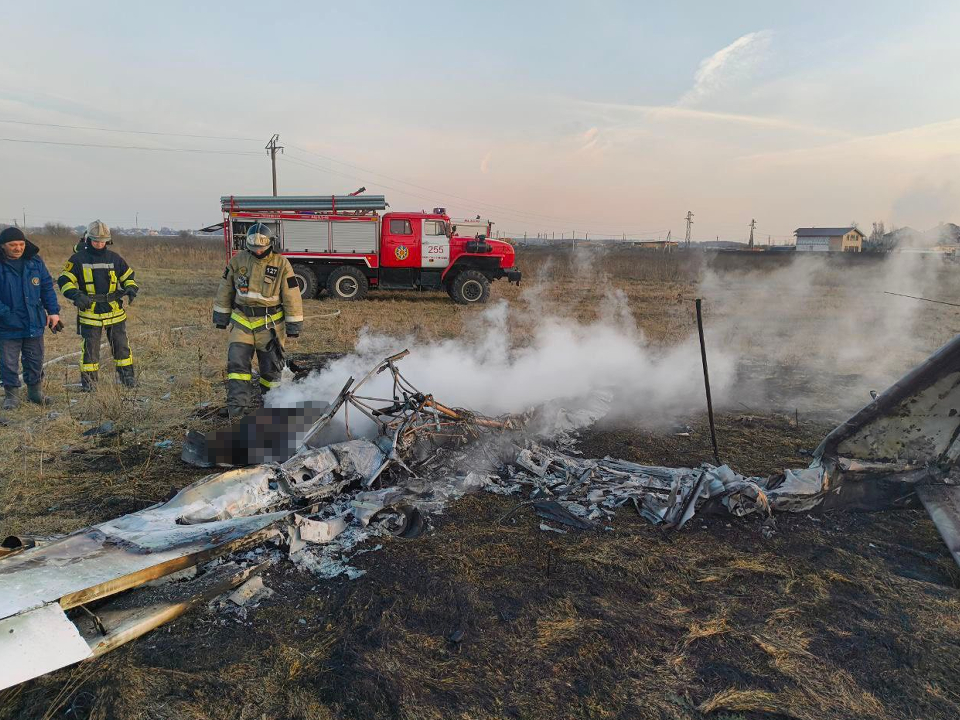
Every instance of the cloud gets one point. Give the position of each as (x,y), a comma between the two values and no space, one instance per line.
(734,63)
(485,163)
(589,139)
(924,143)
(670,112)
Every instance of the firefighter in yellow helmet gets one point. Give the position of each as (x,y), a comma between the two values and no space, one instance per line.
(97,280)
(260,299)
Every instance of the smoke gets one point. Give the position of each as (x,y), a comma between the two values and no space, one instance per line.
(498,367)
(820,332)
(815,333)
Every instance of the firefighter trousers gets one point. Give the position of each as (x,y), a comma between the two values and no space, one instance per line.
(90,338)
(243,345)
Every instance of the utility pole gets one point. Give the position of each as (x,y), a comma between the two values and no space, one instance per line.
(753,225)
(272,148)
(24,218)
(686,240)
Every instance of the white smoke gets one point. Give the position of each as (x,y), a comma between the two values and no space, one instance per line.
(820,332)
(493,372)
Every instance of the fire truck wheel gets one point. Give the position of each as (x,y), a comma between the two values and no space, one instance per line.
(347,283)
(470,287)
(307,281)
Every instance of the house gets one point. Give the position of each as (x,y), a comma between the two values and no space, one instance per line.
(842,239)
(662,245)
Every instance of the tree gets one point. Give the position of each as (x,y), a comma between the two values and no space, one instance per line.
(57,230)
(880,240)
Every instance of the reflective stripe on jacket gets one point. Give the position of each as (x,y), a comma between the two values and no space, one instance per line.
(266,286)
(97,273)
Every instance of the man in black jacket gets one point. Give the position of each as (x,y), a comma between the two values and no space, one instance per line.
(96,280)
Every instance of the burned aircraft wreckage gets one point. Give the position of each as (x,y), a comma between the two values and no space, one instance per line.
(82,595)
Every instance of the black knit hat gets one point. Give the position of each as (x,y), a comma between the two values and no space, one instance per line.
(12,234)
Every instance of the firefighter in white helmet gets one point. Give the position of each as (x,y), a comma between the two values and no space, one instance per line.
(97,280)
(260,299)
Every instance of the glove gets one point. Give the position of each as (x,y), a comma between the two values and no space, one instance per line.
(131,293)
(57,328)
(83,301)
(220,327)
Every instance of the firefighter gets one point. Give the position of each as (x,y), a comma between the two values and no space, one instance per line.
(96,280)
(260,299)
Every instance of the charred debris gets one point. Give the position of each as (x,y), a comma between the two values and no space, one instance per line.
(316,481)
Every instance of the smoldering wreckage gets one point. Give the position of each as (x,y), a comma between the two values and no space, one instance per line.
(310,490)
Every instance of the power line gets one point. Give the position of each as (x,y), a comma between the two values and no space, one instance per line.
(130,132)
(129,147)
(521,214)
(304,163)
(524,215)
(419,187)
(557,222)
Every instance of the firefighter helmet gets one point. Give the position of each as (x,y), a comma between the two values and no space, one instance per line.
(97,230)
(259,238)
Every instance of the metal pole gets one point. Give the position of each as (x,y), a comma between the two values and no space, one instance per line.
(272,148)
(273,167)
(706,382)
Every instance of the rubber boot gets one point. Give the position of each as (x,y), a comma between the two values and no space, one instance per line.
(36,396)
(235,412)
(127,376)
(11,400)
(88,381)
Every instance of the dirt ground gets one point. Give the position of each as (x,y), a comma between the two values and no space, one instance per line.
(835,615)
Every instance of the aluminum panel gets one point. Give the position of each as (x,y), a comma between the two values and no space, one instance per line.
(36,642)
(355,237)
(306,235)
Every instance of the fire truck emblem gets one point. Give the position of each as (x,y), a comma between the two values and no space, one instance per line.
(401,252)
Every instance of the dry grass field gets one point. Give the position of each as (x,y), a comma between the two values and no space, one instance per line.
(835,616)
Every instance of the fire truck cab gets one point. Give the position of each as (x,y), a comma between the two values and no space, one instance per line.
(341,244)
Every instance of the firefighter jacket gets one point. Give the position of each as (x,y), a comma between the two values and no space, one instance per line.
(97,273)
(256,291)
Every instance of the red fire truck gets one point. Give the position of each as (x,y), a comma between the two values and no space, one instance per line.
(341,243)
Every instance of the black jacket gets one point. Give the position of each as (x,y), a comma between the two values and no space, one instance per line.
(96,272)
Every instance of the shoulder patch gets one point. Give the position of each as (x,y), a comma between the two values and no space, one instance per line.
(68,267)
(292,282)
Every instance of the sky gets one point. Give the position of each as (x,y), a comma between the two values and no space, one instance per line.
(606,118)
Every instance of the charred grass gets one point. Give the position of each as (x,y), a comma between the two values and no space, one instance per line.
(837,615)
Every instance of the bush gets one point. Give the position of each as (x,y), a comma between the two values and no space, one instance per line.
(57,230)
